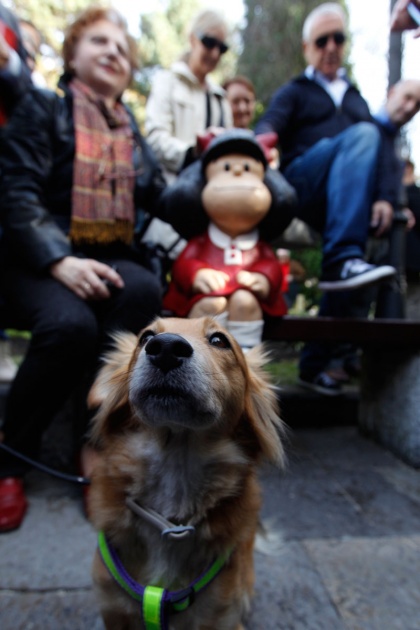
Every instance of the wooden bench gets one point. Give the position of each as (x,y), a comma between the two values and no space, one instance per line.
(364,332)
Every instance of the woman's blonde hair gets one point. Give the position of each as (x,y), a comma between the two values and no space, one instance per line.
(88,17)
(207,20)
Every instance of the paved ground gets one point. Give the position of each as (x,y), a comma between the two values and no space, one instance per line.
(343,550)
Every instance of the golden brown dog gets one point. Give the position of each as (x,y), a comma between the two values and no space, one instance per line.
(183,421)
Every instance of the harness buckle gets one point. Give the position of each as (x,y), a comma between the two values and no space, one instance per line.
(177,532)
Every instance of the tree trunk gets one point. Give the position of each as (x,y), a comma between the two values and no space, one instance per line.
(394,54)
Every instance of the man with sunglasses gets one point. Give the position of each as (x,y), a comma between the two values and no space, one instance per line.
(330,153)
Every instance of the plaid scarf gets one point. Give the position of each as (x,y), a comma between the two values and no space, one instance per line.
(103,177)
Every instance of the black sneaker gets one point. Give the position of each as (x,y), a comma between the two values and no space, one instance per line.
(353,274)
(353,365)
(322,383)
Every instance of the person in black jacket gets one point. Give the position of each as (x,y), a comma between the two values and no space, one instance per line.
(14,80)
(330,154)
(74,170)
(15,75)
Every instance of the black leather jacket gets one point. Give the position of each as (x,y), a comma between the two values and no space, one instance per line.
(36,162)
(12,86)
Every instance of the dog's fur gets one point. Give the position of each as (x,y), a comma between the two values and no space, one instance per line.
(185,440)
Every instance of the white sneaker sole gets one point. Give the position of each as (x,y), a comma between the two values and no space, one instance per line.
(362,280)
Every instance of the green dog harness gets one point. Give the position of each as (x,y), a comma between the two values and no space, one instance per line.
(156,602)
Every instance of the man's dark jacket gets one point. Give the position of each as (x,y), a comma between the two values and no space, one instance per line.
(413,236)
(302,113)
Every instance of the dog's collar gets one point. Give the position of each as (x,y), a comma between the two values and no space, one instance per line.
(156,602)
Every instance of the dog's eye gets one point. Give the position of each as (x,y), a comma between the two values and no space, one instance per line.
(219,340)
(148,334)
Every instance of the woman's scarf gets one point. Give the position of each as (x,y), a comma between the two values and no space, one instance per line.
(103,178)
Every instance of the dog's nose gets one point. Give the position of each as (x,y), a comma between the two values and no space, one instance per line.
(167,351)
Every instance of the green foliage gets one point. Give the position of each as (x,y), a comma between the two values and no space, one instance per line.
(160,44)
(310,258)
(11,333)
(51,17)
(164,33)
(284,372)
(180,14)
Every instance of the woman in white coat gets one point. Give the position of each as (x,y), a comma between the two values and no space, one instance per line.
(183,102)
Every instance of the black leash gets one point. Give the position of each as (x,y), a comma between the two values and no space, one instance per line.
(84,481)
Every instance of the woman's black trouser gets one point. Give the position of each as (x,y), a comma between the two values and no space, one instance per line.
(69,335)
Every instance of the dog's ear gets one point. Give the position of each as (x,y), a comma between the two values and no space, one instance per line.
(116,365)
(109,392)
(262,409)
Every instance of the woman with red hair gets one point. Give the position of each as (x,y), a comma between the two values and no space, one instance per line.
(75,169)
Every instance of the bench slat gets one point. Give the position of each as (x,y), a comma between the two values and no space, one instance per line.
(360,331)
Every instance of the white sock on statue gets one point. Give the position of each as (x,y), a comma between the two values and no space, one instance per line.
(222,319)
(247,334)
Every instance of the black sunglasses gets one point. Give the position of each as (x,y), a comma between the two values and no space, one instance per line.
(210,42)
(338,37)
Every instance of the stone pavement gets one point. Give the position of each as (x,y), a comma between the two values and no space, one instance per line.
(342,550)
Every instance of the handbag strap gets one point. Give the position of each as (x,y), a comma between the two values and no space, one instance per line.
(208,110)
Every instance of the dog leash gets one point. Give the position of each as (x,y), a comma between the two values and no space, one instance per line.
(45,469)
(156,602)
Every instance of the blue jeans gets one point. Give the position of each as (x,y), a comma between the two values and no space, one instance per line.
(335,183)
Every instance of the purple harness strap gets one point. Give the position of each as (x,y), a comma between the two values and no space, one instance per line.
(157,602)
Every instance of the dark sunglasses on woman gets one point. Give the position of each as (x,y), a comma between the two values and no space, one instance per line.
(338,37)
(210,42)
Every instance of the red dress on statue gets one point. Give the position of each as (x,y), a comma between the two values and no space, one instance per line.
(216,250)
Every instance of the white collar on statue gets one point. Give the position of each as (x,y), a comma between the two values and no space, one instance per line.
(224,241)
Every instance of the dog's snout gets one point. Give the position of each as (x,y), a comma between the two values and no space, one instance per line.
(168,351)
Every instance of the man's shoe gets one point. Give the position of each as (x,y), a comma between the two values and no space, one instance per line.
(13,503)
(353,365)
(322,383)
(338,373)
(353,274)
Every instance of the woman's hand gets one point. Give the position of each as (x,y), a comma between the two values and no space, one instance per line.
(86,277)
